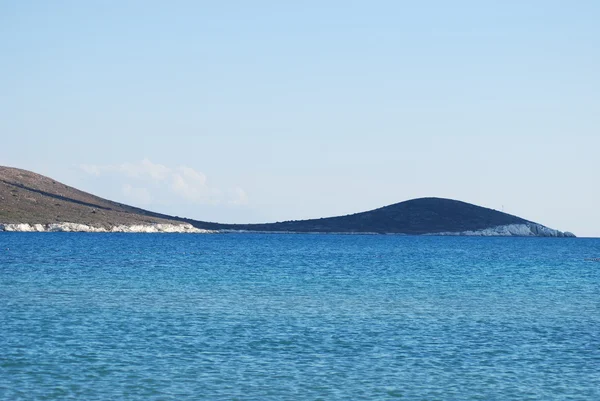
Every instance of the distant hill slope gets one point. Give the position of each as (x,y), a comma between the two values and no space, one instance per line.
(30,198)
(27,197)
(416,216)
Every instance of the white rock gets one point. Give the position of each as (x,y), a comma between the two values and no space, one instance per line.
(76,227)
(517,230)
(18,227)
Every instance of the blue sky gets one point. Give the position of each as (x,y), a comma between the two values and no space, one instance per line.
(264,111)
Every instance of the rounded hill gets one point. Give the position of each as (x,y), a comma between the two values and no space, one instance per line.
(416,216)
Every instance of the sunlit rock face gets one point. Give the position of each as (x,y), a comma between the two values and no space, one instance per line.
(22,227)
(513,230)
(509,230)
(158,228)
(76,227)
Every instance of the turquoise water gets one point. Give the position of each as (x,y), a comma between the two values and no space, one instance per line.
(298,317)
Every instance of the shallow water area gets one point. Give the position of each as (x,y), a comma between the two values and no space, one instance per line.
(298,317)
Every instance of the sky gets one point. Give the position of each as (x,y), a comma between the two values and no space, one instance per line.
(239,111)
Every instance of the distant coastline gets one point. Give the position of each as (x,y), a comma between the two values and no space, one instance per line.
(30,202)
(515,230)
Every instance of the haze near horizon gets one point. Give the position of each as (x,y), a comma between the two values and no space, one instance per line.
(239,112)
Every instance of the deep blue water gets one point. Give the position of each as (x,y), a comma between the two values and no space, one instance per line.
(298,317)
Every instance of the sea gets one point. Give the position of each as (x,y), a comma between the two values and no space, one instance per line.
(94,316)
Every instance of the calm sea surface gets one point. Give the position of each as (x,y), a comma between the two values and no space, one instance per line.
(298,317)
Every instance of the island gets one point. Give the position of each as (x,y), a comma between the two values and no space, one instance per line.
(33,202)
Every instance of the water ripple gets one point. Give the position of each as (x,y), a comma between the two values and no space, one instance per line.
(276,317)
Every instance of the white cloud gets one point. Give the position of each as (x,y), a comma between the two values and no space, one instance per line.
(191,185)
(142,169)
(239,197)
(90,169)
(154,180)
(140,196)
(145,168)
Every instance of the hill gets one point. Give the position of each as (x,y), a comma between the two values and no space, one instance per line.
(32,199)
(417,217)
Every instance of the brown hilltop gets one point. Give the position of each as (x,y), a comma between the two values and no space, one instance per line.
(27,197)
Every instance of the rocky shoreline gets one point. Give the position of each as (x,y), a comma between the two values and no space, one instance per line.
(513,230)
(76,227)
(510,230)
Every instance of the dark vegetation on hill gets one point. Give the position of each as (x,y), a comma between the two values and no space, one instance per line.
(26,197)
(417,216)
